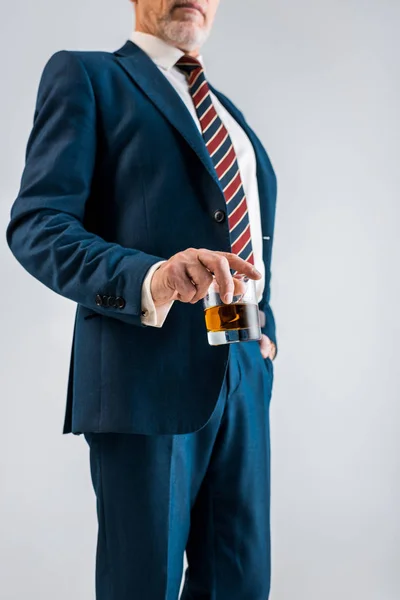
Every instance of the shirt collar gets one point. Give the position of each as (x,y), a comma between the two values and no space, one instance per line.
(163,54)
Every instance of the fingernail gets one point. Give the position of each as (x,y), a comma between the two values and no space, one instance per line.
(256,271)
(228,298)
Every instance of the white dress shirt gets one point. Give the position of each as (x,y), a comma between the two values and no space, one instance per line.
(165,56)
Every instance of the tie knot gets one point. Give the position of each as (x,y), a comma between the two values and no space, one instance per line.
(188,64)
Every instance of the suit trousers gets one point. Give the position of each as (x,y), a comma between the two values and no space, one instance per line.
(206,493)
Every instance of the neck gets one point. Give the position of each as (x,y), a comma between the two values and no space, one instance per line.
(192,53)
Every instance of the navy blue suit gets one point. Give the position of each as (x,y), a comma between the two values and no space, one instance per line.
(118,177)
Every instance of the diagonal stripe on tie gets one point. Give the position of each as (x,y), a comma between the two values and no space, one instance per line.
(223,155)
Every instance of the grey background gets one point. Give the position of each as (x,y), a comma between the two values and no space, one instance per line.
(318,80)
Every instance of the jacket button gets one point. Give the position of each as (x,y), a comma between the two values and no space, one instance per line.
(219,216)
(120,302)
(111,301)
(105,301)
(99,300)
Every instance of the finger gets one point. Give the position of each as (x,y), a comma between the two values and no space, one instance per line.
(239,285)
(201,278)
(218,263)
(185,290)
(241,266)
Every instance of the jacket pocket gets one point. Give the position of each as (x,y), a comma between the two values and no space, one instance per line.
(91,316)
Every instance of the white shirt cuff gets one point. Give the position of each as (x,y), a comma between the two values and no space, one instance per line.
(151,315)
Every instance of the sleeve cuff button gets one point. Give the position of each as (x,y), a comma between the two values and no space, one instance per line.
(120,302)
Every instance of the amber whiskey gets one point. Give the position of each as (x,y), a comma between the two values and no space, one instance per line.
(229,317)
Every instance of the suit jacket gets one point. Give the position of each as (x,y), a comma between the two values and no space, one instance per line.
(118,177)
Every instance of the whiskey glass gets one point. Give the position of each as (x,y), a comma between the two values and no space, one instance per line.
(238,321)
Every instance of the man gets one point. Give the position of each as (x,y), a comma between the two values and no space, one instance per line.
(142,181)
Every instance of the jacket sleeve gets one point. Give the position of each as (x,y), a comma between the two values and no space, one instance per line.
(46,232)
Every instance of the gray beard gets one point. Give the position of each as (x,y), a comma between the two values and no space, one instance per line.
(181,35)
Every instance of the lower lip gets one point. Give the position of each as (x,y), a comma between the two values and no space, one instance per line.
(191,9)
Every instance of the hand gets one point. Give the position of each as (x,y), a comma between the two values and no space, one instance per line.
(268,348)
(187,275)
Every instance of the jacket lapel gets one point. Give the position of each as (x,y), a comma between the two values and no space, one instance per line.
(146,74)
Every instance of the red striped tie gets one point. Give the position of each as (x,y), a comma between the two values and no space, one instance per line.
(223,155)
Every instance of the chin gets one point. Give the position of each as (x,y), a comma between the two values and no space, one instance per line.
(188,36)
